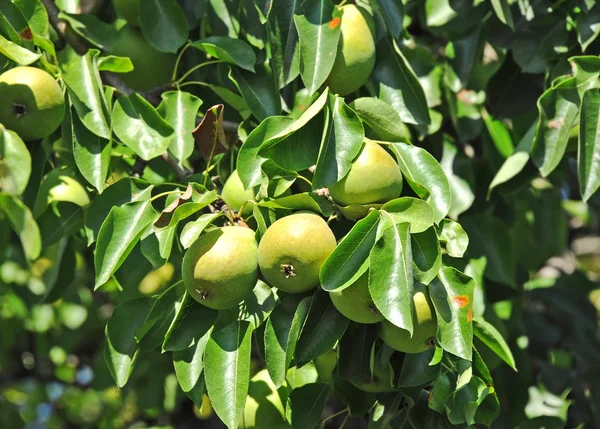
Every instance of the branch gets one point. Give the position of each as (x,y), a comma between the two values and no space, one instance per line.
(63,29)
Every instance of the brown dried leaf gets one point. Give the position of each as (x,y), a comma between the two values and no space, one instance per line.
(209,134)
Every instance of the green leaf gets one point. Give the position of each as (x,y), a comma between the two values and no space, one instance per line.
(340,269)
(411,210)
(259,90)
(269,133)
(558,111)
(152,333)
(163,23)
(179,109)
(227,363)
(397,84)
(124,191)
(462,194)
(324,326)
(391,281)
(121,349)
(35,14)
(319,31)
(452,297)
(15,163)
(232,51)
(23,224)
(259,304)
(63,220)
(381,117)
(427,255)
(283,38)
(393,15)
(342,141)
(588,27)
(499,134)
(191,323)
(490,237)
(356,347)
(85,92)
(91,152)
(490,336)
(192,230)
(118,235)
(189,362)
(304,201)
(16,53)
(139,126)
(426,177)
(502,11)
(306,405)
(182,207)
(99,33)
(454,236)
(385,411)
(588,162)
(115,64)
(281,335)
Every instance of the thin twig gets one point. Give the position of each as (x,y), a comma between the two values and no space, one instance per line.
(63,29)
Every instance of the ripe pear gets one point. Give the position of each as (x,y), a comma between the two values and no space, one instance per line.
(31,102)
(264,404)
(355,56)
(424,325)
(129,10)
(355,302)
(292,251)
(151,67)
(374,177)
(59,185)
(235,195)
(220,268)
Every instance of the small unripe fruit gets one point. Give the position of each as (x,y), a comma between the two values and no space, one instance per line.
(355,57)
(292,251)
(220,269)
(235,195)
(424,326)
(59,186)
(355,302)
(31,102)
(151,67)
(374,177)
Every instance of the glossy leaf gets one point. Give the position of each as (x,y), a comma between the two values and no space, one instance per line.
(324,326)
(232,51)
(589,144)
(503,12)
(85,92)
(414,211)
(454,237)
(121,349)
(319,30)
(227,363)
(17,53)
(15,163)
(124,191)
(179,109)
(452,297)
(356,347)
(393,15)
(462,194)
(306,405)
(283,37)
(381,117)
(118,235)
(190,324)
(192,230)
(397,85)
(426,177)
(139,126)
(558,110)
(490,336)
(281,335)
(340,269)
(23,224)
(427,255)
(91,152)
(259,91)
(342,141)
(163,24)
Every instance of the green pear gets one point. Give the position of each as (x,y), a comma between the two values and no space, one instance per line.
(235,195)
(220,268)
(59,185)
(31,102)
(374,177)
(151,67)
(355,56)
(292,251)
(355,302)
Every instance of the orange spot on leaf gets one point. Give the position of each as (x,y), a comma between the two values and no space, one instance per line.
(334,23)
(470,315)
(461,301)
